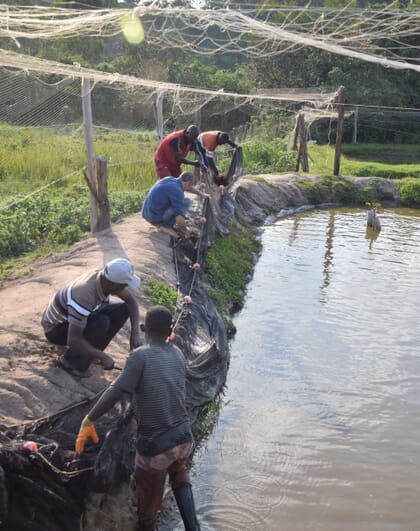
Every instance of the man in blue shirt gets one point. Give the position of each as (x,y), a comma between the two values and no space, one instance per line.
(166,205)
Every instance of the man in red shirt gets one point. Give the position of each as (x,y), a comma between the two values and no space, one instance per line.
(207,143)
(173,149)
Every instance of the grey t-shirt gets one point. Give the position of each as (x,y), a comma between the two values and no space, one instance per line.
(155,375)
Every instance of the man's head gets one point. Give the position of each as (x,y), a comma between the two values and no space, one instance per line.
(192,132)
(187,180)
(120,272)
(222,138)
(158,322)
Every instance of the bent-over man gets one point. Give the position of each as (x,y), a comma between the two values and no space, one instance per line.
(173,150)
(207,143)
(81,316)
(166,205)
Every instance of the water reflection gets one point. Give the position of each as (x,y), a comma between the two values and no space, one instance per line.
(318,429)
(328,256)
(371,235)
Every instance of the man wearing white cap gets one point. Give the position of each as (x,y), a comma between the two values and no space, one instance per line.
(81,316)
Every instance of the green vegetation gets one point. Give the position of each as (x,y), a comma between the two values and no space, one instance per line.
(40,225)
(229,266)
(206,420)
(44,200)
(367,160)
(160,293)
(268,157)
(33,158)
(335,190)
(409,191)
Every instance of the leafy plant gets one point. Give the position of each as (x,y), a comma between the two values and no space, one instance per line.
(409,191)
(160,293)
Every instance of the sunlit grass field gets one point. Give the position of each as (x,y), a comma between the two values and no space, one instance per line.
(367,160)
(33,158)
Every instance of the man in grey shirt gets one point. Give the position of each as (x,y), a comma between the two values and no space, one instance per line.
(155,376)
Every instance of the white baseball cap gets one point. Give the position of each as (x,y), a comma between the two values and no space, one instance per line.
(121,271)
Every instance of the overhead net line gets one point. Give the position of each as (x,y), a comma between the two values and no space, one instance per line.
(380,36)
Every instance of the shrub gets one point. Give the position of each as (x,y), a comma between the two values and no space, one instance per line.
(160,293)
(409,190)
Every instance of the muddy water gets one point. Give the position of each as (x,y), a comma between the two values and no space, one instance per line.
(320,426)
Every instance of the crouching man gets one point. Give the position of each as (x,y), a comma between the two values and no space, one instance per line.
(81,316)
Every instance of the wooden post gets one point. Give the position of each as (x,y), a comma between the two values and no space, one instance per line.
(340,99)
(104,215)
(303,148)
(197,117)
(159,113)
(296,134)
(90,153)
(356,116)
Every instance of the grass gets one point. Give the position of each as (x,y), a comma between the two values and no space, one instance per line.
(33,158)
(229,265)
(367,160)
(160,293)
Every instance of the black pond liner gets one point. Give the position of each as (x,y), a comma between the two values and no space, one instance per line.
(45,490)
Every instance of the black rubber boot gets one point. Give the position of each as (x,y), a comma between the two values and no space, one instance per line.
(185,501)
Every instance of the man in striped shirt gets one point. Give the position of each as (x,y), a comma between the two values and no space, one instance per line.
(81,316)
(155,377)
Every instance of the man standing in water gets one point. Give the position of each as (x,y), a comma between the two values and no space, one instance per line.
(155,376)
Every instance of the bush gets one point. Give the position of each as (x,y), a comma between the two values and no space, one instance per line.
(62,219)
(268,157)
(160,293)
(409,190)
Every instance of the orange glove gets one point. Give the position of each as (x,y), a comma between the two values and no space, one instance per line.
(87,431)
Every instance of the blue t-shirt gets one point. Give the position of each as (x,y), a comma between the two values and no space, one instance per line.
(167,192)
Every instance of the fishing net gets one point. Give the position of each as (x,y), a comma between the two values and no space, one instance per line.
(43,483)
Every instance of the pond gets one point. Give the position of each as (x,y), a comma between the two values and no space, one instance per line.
(319,425)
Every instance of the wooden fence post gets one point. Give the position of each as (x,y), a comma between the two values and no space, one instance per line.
(303,148)
(340,99)
(158,105)
(356,116)
(90,153)
(296,133)
(104,215)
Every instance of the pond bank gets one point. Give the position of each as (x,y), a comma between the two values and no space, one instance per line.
(31,384)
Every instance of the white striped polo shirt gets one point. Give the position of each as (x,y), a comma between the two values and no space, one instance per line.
(76,301)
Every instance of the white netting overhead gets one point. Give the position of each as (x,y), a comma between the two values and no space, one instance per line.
(380,36)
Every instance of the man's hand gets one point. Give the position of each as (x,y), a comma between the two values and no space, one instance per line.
(87,431)
(107,362)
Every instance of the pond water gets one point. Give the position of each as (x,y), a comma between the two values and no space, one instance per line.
(319,425)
